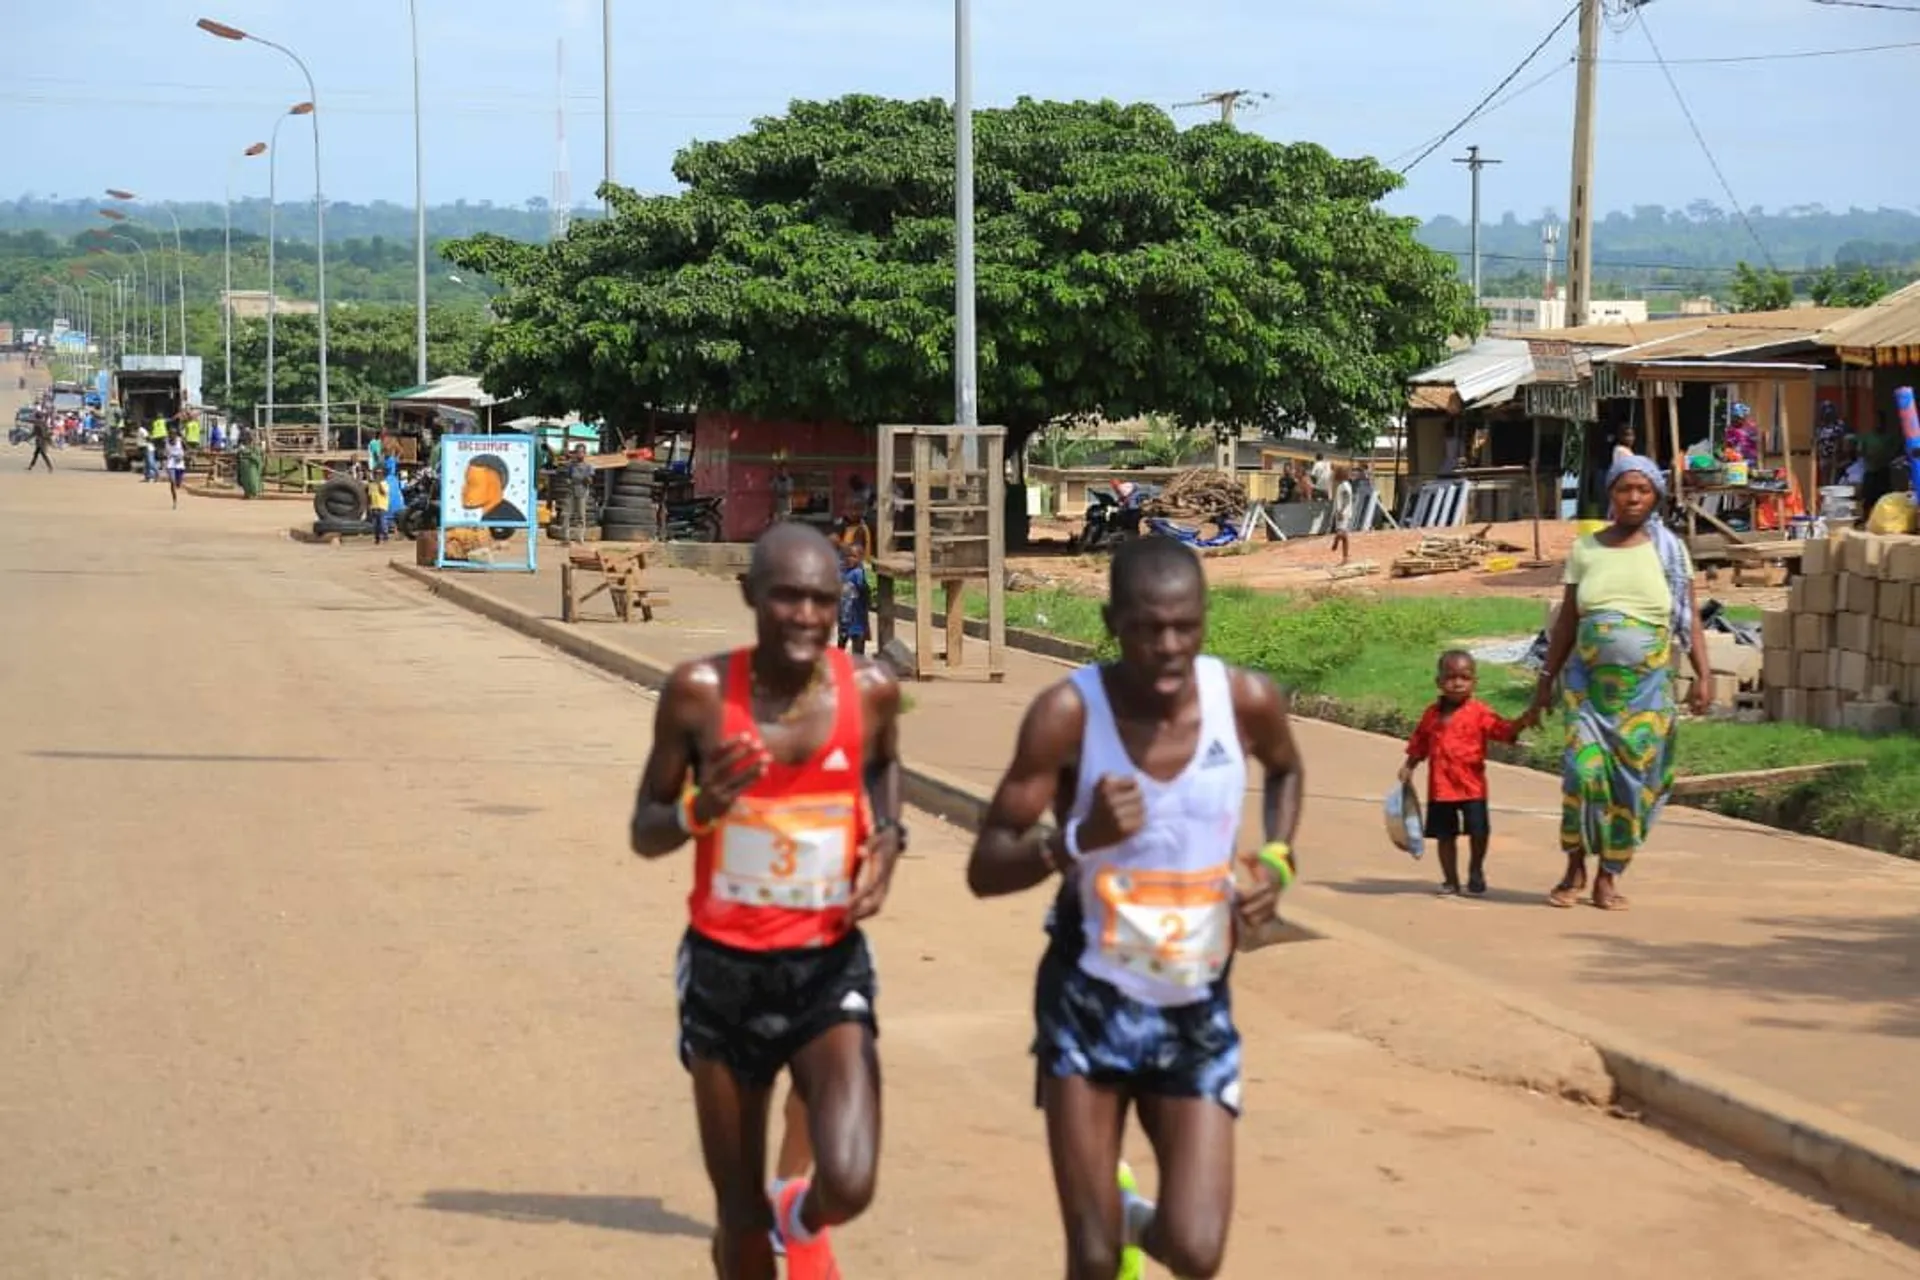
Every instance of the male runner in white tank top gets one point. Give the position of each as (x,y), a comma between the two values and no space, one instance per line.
(1141,763)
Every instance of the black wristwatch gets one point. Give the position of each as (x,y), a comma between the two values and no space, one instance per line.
(883,824)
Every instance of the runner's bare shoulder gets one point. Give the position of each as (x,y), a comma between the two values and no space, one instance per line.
(879,686)
(1256,694)
(1054,723)
(694,689)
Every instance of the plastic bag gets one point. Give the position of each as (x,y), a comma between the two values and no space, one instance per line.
(1403,819)
(1893,513)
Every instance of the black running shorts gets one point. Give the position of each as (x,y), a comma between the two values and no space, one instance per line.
(754,1010)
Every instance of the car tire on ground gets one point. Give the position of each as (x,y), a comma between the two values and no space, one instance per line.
(341,500)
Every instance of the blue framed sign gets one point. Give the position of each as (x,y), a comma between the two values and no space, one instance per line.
(487,482)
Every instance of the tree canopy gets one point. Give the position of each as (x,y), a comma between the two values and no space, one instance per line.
(1123,267)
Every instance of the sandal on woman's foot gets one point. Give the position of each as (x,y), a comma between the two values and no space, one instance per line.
(1476,884)
(1448,891)
(1607,897)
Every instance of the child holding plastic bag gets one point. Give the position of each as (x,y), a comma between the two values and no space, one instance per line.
(1452,738)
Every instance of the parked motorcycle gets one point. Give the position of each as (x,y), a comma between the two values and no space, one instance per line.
(693,519)
(1113,514)
(422,510)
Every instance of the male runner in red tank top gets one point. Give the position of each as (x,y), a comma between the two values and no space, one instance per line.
(780,762)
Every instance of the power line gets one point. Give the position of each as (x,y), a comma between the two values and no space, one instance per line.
(1432,144)
(1870,4)
(1699,137)
(1493,93)
(1762,57)
(1615,266)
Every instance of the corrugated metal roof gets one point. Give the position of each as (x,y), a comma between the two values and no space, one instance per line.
(1712,343)
(466,390)
(1890,326)
(1489,366)
(1792,320)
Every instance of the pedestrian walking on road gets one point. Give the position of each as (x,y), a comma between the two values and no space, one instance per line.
(1628,602)
(579,478)
(40,445)
(377,507)
(1343,515)
(1452,739)
(1142,762)
(176,466)
(779,762)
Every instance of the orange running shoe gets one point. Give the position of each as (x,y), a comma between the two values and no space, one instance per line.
(806,1260)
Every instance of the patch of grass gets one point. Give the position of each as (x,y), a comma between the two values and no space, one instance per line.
(1370,663)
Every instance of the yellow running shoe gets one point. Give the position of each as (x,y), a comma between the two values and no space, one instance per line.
(1134,1212)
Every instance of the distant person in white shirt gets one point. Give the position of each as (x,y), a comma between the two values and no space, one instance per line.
(1320,476)
(176,466)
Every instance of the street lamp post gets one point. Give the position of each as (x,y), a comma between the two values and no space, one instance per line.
(226,32)
(146,267)
(419,212)
(112,298)
(180,269)
(966,397)
(146,273)
(226,297)
(273,200)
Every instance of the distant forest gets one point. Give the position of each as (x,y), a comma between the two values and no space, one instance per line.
(1652,251)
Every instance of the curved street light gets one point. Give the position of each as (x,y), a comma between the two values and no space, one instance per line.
(273,199)
(142,284)
(156,290)
(180,268)
(226,32)
(226,296)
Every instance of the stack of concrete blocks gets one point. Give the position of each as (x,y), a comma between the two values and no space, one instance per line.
(1845,653)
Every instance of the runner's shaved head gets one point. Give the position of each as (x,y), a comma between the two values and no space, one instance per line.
(1152,564)
(790,548)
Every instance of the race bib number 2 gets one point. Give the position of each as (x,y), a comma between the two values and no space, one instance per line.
(1175,926)
(798,855)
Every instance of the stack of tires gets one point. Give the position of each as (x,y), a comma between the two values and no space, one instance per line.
(341,507)
(632,513)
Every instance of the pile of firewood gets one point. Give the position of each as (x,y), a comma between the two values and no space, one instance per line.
(1448,553)
(1201,493)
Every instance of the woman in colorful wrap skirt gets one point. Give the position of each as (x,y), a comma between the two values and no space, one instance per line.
(1628,604)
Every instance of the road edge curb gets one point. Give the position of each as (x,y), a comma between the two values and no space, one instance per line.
(1844,1157)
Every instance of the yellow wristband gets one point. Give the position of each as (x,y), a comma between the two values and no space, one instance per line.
(687,822)
(1277,857)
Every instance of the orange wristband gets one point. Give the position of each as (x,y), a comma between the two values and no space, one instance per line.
(688,823)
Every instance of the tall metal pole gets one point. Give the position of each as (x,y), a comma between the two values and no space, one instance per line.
(419,212)
(606,94)
(1580,201)
(226,295)
(273,201)
(146,272)
(1475,163)
(180,269)
(966,406)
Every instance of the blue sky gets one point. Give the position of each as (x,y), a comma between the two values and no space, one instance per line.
(128,93)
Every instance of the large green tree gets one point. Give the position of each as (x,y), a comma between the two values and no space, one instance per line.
(1124,267)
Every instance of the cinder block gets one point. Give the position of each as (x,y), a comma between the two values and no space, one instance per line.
(1854,673)
(1863,553)
(1823,709)
(1892,602)
(1812,633)
(1821,594)
(1776,629)
(1813,670)
(1817,556)
(1786,706)
(1902,563)
(1776,669)
(1910,646)
(1853,631)
(1857,593)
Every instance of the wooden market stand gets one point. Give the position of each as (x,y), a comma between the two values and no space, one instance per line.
(1661,380)
(957,479)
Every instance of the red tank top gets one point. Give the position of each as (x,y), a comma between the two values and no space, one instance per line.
(778,871)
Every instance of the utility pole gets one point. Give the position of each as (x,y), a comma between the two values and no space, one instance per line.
(966,388)
(1475,162)
(1580,201)
(1550,251)
(606,93)
(1227,100)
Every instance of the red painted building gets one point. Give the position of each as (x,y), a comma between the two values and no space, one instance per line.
(734,456)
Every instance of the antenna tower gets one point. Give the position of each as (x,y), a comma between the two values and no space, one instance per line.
(1550,245)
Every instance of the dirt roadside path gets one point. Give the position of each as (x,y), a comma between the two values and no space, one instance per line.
(322,957)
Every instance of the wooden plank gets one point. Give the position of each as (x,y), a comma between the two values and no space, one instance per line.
(922,556)
(1751,779)
(953,597)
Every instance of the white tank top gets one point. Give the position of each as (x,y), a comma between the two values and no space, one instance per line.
(1157,909)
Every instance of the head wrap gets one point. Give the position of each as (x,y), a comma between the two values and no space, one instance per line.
(1666,545)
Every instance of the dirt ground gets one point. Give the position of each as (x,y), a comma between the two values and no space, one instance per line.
(1305,564)
(321,956)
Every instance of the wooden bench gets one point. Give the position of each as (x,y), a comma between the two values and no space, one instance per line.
(621,571)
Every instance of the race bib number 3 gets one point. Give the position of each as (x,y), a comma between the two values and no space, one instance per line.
(1174,926)
(797,854)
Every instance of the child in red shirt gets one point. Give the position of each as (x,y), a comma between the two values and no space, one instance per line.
(1452,738)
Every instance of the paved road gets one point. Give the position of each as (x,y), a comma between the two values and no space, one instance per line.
(321,956)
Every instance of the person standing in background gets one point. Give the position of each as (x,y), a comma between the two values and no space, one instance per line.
(579,479)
